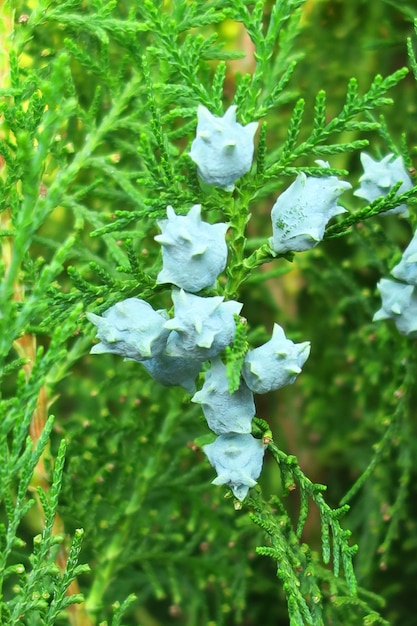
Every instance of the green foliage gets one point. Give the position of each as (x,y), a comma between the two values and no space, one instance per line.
(235,354)
(98,112)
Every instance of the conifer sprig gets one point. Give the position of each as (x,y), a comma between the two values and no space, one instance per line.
(98,108)
(355,104)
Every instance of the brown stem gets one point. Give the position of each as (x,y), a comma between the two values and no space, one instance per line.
(26,345)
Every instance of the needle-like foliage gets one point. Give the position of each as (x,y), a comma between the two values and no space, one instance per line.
(107,514)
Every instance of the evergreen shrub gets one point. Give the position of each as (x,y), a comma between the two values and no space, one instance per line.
(204,209)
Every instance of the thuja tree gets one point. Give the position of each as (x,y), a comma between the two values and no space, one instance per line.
(168,177)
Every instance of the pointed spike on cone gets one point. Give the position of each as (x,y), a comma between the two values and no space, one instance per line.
(195,213)
(293,369)
(396,309)
(250,129)
(204,113)
(173,324)
(222,479)
(199,250)
(204,135)
(230,114)
(206,341)
(221,228)
(94,318)
(164,240)
(164,276)
(99,348)
(184,234)
(122,309)
(313,237)
(278,332)
(380,315)
(281,353)
(366,160)
(229,147)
